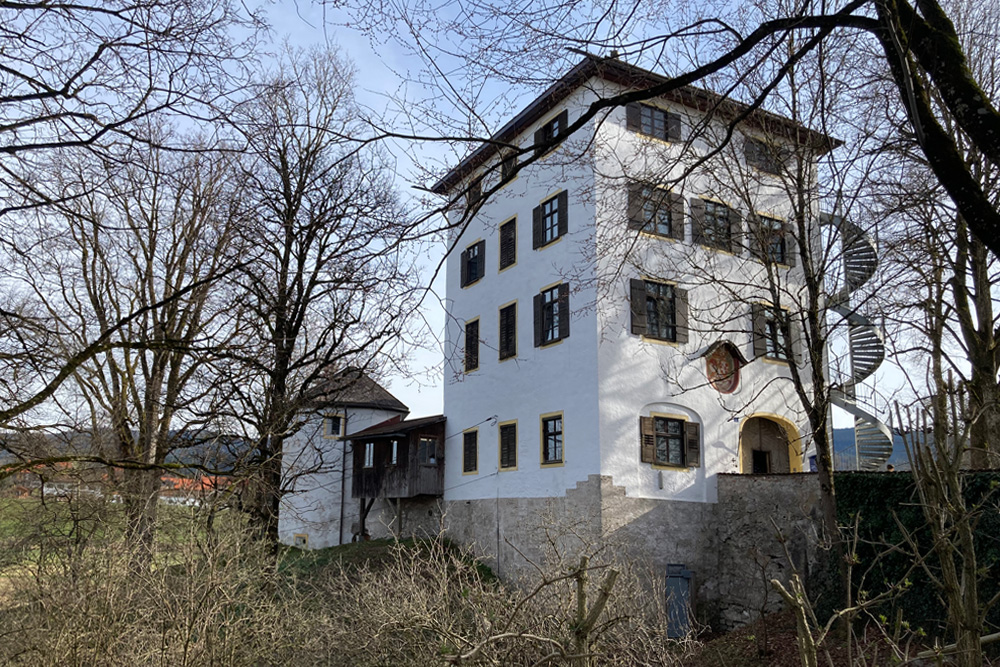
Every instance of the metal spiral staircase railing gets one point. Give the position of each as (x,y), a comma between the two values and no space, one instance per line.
(872,438)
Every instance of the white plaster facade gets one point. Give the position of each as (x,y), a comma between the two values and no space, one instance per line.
(602,378)
(317,502)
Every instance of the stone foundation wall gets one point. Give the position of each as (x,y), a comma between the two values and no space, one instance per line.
(731,546)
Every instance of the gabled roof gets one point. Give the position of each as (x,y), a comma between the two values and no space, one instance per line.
(635,78)
(351,388)
(396,427)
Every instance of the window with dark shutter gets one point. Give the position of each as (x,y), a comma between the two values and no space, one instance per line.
(508,446)
(769,242)
(548,136)
(475,192)
(771,338)
(552,315)
(470,451)
(652,121)
(692,445)
(550,220)
(763,156)
(651,209)
(552,439)
(669,441)
(471,345)
(473,263)
(716,230)
(508,244)
(658,310)
(508,166)
(508,331)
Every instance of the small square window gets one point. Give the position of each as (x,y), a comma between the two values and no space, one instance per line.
(300,541)
(547,135)
(653,121)
(769,242)
(716,231)
(764,156)
(651,210)
(771,328)
(475,192)
(333,426)
(669,441)
(552,439)
(427,451)
(550,220)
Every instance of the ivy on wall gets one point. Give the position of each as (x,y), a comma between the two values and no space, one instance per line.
(877,501)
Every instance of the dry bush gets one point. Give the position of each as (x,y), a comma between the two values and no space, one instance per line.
(217,598)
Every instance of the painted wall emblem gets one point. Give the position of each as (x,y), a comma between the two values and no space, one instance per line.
(723,368)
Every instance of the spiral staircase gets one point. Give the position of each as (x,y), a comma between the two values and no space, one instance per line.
(872,438)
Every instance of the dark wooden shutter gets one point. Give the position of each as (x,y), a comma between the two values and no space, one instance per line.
(564,311)
(759,323)
(563,205)
(673,127)
(539,320)
(637,304)
(635,205)
(751,151)
(735,232)
(697,220)
(472,345)
(465,268)
(536,228)
(791,247)
(539,140)
(647,440)
(508,243)
(563,120)
(681,325)
(481,259)
(676,216)
(633,116)
(508,446)
(757,238)
(470,452)
(692,445)
(794,344)
(508,331)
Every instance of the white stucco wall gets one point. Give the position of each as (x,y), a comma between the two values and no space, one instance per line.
(638,376)
(603,377)
(559,377)
(315,471)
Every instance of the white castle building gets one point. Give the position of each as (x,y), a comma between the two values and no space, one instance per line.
(614,339)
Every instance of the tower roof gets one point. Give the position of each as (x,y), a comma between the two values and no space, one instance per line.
(630,76)
(352,388)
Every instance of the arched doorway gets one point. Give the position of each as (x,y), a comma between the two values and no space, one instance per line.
(765,447)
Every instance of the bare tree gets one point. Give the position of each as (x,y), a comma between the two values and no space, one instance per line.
(156,230)
(92,78)
(330,285)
